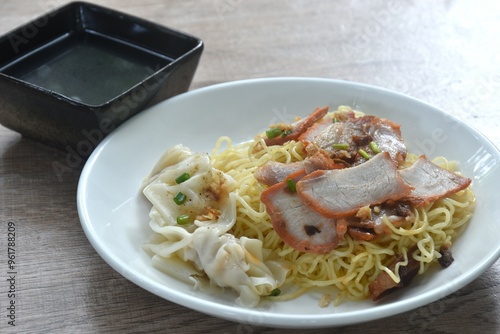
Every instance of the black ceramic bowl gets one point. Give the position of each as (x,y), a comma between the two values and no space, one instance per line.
(71,76)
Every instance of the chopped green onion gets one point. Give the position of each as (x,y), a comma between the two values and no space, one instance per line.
(335,120)
(374,147)
(273,133)
(183,219)
(179,198)
(364,154)
(275,292)
(181,178)
(340,146)
(286,133)
(291,185)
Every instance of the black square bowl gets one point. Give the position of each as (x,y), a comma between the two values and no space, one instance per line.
(71,76)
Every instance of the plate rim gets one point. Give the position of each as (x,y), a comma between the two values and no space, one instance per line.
(238,314)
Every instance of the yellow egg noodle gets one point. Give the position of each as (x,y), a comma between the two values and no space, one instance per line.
(347,270)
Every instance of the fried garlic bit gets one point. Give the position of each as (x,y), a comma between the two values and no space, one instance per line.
(209,214)
(365,213)
(325,300)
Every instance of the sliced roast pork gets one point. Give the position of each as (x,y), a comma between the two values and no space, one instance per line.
(320,160)
(337,140)
(446,258)
(315,130)
(273,172)
(387,135)
(431,182)
(342,192)
(344,140)
(297,225)
(384,284)
(368,223)
(287,132)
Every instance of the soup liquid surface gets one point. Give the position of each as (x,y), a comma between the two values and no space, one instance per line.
(87,67)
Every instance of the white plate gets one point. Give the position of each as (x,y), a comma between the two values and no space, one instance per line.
(114,215)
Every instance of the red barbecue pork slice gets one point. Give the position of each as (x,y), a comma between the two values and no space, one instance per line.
(319,127)
(343,133)
(342,192)
(273,172)
(321,161)
(344,139)
(384,284)
(368,223)
(312,132)
(430,182)
(296,224)
(298,128)
(387,135)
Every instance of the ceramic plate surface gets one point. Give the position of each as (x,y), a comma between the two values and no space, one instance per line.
(114,214)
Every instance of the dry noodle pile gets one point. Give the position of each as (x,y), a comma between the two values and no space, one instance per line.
(353,264)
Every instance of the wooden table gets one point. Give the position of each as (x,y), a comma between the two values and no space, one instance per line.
(443,52)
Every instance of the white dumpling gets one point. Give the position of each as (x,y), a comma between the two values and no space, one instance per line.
(237,263)
(212,258)
(213,261)
(171,157)
(207,192)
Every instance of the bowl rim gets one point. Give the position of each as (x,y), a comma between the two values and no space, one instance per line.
(197,47)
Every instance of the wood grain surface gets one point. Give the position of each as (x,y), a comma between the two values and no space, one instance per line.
(443,52)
